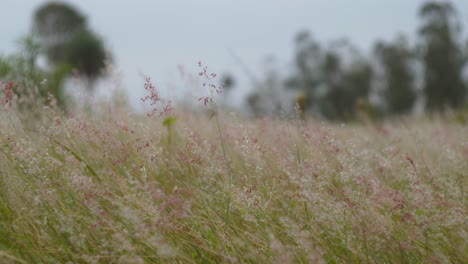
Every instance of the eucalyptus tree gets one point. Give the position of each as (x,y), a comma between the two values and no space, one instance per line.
(442,56)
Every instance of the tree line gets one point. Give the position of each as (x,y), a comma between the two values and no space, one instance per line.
(334,81)
(338,82)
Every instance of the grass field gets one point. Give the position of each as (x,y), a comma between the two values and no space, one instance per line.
(117,187)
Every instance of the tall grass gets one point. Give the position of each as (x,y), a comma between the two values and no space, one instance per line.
(118,187)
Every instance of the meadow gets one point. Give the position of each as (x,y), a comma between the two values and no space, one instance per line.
(114,186)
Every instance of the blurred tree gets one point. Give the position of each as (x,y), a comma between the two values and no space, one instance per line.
(254,103)
(307,76)
(398,92)
(86,53)
(442,56)
(269,97)
(345,78)
(32,80)
(334,98)
(358,82)
(331,80)
(54,24)
(62,32)
(228,82)
(345,87)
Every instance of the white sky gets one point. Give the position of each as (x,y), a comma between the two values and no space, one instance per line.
(153,37)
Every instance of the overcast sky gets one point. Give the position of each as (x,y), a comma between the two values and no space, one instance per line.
(152,37)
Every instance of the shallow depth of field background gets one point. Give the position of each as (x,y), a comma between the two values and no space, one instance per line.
(154,38)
